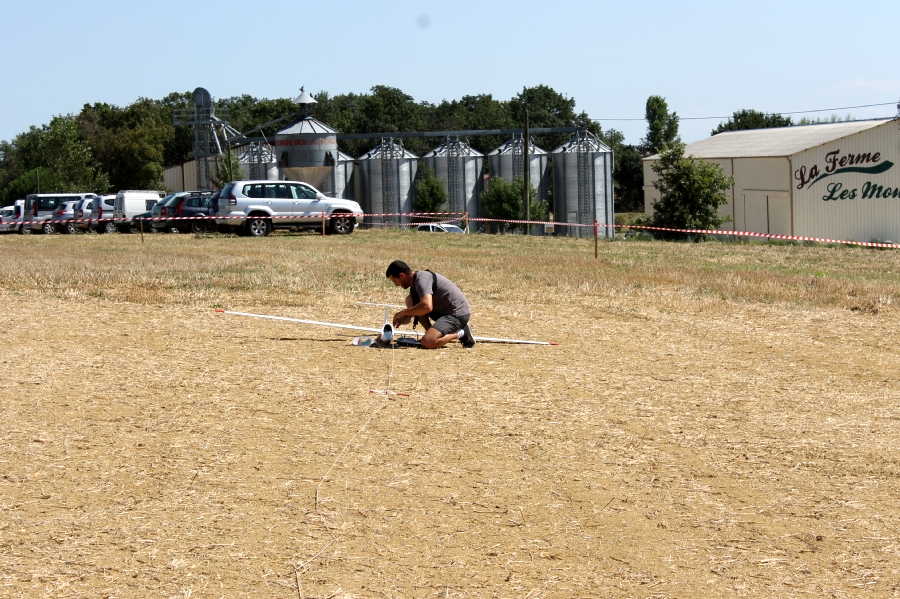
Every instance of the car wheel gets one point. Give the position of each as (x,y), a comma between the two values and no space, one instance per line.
(23,230)
(71,228)
(258,226)
(48,228)
(198,226)
(342,224)
(110,227)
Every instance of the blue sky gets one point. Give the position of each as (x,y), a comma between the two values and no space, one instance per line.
(705,58)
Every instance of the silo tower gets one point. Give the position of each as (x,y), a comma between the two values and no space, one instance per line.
(459,166)
(307,149)
(388,181)
(508,161)
(583,185)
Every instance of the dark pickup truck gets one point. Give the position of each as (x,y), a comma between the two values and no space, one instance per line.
(173,214)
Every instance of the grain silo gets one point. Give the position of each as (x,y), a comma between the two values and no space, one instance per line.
(387,182)
(459,166)
(583,186)
(508,160)
(342,181)
(306,149)
(258,161)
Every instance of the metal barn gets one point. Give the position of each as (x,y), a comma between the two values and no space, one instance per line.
(831,180)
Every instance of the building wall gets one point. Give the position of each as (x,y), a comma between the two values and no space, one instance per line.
(761,196)
(861,204)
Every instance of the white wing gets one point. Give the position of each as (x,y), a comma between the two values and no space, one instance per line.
(335,325)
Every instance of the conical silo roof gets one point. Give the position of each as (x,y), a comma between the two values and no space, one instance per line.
(385,150)
(257,154)
(307,125)
(461,149)
(587,139)
(510,145)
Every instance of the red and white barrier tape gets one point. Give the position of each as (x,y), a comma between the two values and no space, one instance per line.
(463,216)
(62,221)
(874,244)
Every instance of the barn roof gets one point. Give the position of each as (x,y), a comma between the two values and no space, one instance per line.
(773,142)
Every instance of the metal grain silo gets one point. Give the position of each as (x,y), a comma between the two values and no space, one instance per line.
(507,162)
(583,185)
(387,184)
(459,166)
(305,143)
(258,161)
(342,183)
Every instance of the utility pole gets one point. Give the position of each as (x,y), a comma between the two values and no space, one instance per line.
(526,168)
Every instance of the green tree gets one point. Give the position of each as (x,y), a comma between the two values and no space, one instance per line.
(430,193)
(752,119)
(503,200)
(628,178)
(68,159)
(548,108)
(662,125)
(129,143)
(226,170)
(26,183)
(690,193)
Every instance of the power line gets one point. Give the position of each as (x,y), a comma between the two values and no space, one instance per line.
(706,118)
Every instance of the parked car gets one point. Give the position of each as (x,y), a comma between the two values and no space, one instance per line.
(167,215)
(103,208)
(41,207)
(13,217)
(83,214)
(129,204)
(61,221)
(439,228)
(7,219)
(255,208)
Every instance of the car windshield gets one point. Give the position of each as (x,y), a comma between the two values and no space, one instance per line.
(170,201)
(453,229)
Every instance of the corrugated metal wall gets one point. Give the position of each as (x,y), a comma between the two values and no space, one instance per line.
(861,204)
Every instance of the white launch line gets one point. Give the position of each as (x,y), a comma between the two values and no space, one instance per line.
(377,330)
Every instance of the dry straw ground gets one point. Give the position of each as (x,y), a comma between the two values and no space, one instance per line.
(718,421)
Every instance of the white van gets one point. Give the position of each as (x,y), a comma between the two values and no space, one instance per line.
(131,203)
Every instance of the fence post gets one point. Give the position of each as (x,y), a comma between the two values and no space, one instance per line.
(323,223)
(596,237)
(466,222)
(142,230)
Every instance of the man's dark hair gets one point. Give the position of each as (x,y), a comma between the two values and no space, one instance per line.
(396,268)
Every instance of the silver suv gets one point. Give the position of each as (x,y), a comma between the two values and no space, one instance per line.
(255,208)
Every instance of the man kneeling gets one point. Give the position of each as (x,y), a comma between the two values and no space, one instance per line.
(439,305)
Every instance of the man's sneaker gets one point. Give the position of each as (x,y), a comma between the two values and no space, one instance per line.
(467,340)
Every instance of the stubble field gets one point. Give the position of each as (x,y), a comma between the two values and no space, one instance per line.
(718,421)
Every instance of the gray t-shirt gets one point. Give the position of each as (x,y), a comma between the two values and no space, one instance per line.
(446,297)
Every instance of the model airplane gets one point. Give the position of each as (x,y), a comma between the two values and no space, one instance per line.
(386,333)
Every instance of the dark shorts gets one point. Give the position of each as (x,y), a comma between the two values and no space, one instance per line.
(450,324)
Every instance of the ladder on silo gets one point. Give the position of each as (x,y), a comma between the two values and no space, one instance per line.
(518,157)
(387,180)
(453,187)
(583,153)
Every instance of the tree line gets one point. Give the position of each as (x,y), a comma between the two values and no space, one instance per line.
(107,148)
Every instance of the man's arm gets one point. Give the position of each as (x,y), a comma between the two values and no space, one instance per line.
(425,306)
